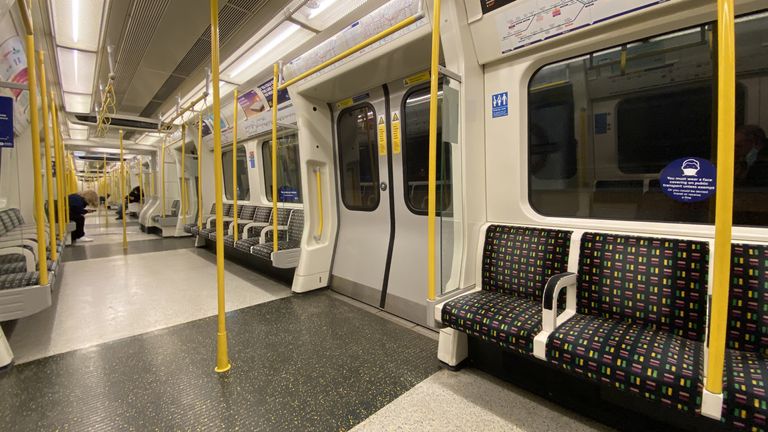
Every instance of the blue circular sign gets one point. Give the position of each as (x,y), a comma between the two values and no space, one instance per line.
(689,179)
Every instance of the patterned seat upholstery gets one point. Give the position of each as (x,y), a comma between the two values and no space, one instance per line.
(517,262)
(745,378)
(244,215)
(292,237)
(19,280)
(227,210)
(192,227)
(640,327)
(246,244)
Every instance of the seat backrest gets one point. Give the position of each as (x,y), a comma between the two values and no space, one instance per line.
(262,214)
(175,207)
(283,214)
(7,220)
(16,214)
(213,210)
(248,212)
(227,210)
(296,225)
(520,260)
(748,299)
(655,282)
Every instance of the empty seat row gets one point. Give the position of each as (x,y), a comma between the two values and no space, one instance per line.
(634,315)
(254,229)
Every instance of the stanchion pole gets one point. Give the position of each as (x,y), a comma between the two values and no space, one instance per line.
(122,191)
(199,171)
(432,181)
(48,159)
(222,355)
(275,85)
(59,169)
(234,170)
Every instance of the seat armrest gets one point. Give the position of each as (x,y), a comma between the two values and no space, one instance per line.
(555,284)
(29,256)
(209,221)
(252,225)
(263,238)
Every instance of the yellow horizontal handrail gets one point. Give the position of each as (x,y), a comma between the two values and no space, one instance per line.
(187,108)
(362,45)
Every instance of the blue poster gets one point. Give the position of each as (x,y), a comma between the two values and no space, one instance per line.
(689,179)
(252,159)
(6,122)
(288,194)
(500,105)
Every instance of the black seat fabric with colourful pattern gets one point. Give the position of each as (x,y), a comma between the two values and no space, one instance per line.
(640,327)
(244,213)
(745,378)
(192,228)
(227,210)
(290,240)
(259,214)
(19,280)
(517,262)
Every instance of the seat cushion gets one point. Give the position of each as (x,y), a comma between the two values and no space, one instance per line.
(264,250)
(246,244)
(18,280)
(505,319)
(657,365)
(12,258)
(188,227)
(745,403)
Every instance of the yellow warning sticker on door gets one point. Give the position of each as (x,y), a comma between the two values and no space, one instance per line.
(415,79)
(396,132)
(345,103)
(382,136)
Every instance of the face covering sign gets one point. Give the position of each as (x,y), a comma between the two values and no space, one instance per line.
(689,179)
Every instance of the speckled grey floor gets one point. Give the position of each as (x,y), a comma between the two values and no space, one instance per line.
(308,362)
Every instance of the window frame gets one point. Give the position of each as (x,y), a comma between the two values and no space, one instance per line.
(341,169)
(228,182)
(267,144)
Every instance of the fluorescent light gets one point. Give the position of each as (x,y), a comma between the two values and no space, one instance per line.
(265,51)
(77,70)
(77,103)
(78,134)
(77,23)
(321,14)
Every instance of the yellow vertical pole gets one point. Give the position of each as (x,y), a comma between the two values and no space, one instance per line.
(42,248)
(726,126)
(275,83)
(432,181)
(141,182)
(48,159)
(222,356)
(183,176)
(59,168)
(200,171)
(122,190)
(162,177)
(234,170)
(106,189)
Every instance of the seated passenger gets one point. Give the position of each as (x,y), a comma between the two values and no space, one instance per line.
(77,211)
(751,159)
(134,196)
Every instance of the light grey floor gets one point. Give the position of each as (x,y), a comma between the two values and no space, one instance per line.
(470,400)
(104,299)
(104,231)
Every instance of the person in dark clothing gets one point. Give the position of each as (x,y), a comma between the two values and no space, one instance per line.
(134,196)
(77,211)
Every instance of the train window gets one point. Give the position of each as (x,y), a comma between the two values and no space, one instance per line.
(358,158)
(602,127)
(288,169)
(416,153)
(243,187)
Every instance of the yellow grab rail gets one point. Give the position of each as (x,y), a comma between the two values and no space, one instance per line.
(234,170)
(122,191)
(59,163)
(726,126)
(222,356)
(162,177)
(275,82)
(319,230)
(183,176)
(432,180)
(48,159)
(42,247)
(199,171)
(106,193)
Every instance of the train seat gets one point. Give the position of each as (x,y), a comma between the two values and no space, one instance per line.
(169,219)
(288,237)
(210,224)
(745,375)
(640,322)
(517,262)
(242,211)
(192,228)
(252,231)
(251,215)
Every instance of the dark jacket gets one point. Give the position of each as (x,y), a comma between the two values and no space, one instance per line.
(135,195)
(77,205)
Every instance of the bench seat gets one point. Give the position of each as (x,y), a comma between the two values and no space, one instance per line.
(507,320)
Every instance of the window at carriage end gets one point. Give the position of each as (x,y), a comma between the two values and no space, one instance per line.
(243,187)
(288,169)
(358,158)
(602,127)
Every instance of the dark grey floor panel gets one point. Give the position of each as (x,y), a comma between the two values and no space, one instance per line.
(306,362)
(88,251)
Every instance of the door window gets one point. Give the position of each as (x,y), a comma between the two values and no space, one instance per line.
(358,158)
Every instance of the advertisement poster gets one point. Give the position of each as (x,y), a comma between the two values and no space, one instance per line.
(266,90)
(253,103)
(6,122)
(13,68)
(208,124)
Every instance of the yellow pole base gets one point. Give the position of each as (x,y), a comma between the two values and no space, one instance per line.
(222,358)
